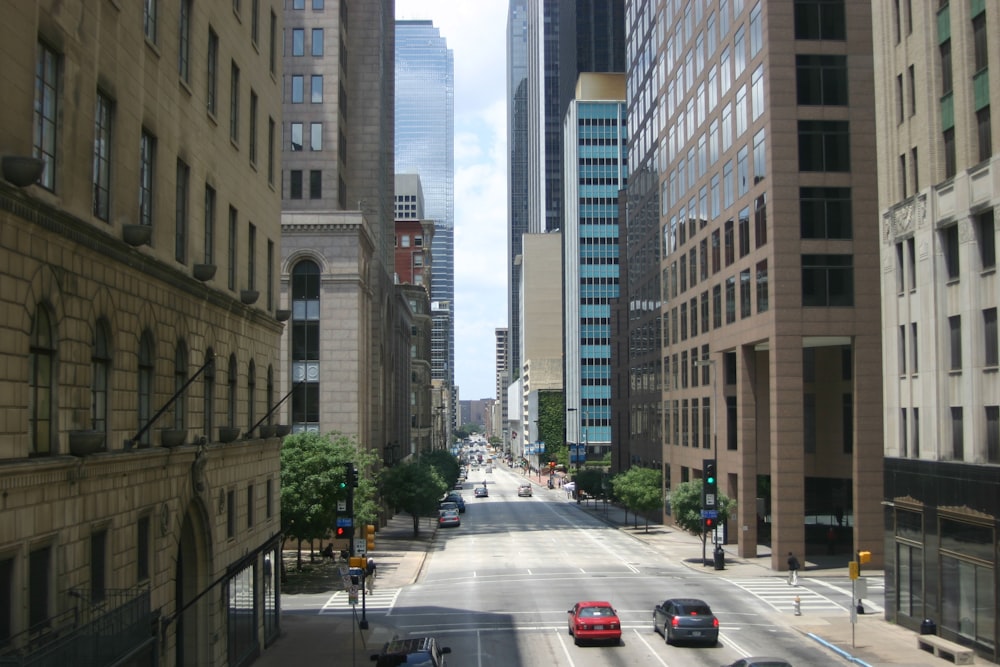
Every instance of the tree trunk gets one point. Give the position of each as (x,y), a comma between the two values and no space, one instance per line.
(416,525)
(298,560)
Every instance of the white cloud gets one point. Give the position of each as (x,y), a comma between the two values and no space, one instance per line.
(475,31)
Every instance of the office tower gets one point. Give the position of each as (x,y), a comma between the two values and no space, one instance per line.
(596,168)
(549,43)
(502,381)
(425,134)
(759,133)
(340,345)
(141,476)
(938,199)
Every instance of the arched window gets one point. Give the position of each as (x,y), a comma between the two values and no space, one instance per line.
(231,398)
(305,346)
(251,394)
(147,369)
(209,406)
(100,380)
(41,382)
(180,379)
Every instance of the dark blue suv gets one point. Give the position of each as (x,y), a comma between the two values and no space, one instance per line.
(422,651)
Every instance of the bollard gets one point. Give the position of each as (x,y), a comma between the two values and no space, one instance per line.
(798,606)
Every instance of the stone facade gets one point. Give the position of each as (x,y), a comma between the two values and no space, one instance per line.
(118,333)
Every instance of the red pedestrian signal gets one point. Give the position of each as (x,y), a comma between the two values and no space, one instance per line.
(341,532)
(709,524)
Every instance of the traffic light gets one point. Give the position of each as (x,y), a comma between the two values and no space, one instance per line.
(370,537)
(709,524)
(341,532)
(353,476)
(710,485)
(864,557)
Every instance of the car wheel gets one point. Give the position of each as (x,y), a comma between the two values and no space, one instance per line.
(667,635)
(576,640)
(656,628)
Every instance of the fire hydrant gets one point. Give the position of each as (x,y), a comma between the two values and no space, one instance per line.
(798,606)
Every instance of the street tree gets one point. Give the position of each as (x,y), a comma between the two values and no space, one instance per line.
(590,482)
(640,490)
(414,488)
(444,462)
(312,477)
(685,506)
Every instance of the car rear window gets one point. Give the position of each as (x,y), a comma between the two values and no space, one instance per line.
(695,610)
(596,611)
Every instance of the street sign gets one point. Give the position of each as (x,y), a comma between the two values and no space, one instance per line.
(710,499)
(344,522)
(360,546)
(352,595)
(341,505)
(710,514)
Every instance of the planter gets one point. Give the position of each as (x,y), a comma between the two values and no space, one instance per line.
(266,430)
(282,315)
(137,235)
(228,433)
(249,296)
(281,430)
(82,443)
(22,171)
(203,272)
(172,437)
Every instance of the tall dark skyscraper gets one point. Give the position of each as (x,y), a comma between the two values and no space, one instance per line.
(425,132)
(549,42)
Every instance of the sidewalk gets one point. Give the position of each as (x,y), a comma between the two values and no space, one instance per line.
(332,639)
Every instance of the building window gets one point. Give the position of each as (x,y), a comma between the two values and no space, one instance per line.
(317,42)
(944,51)
(716,306)
(180,379)
(315,184)
(39,586)
(820,19)
(149,9)
(250,502)
(739,51)
(98,565)
(272,46)
(743,170)
(900,111)
(730,299)
(715,252)
(296,132)
(251,394)
(902,175)
(269,498)
(825,213)
(980,42)
(142,549)
(744,232)
(986,240)
(181,212)
(270,277)
(305,344)
(230,514)
(100,381)
(914,349)
(762,297)
(298,41)
(759,157)
(255,21)
(234,103)
(949,247)
(827,280)
(316,136)
(184,41)
(745,309)
(270,150)
(209,240)
(147,375)
(208,406)
(984,134)
(957,434)
(232,378)
(824,145)
(847,422)
(295,184)
(756,33)
(916,433)
(253,127)
(147,155)
(316,88)
(757,93)
(728,187)
(991,356)
(212,79)
(913,90)
(298,84)
(993,434)
(231,249)
(822,80)
(955,342)
(102,157)
(950,164)
(46,113)
(729,241)
(41,382)
(741,111)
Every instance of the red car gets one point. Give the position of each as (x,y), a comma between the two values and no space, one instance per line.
(594,621)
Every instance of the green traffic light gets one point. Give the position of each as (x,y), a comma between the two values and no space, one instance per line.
(711,480)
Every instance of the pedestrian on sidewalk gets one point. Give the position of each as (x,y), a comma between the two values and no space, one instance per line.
(370,574)
(793,569)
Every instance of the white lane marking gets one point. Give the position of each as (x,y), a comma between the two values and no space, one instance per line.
(729,642)
(565,648)
(648,646)
(876,607)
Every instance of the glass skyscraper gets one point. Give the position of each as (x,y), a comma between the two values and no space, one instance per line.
(425,131)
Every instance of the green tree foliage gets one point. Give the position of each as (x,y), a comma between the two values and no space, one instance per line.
(444,463)
(414,488)
(639,489)
(590,481)
(465,430)
(685,505)
(552,426)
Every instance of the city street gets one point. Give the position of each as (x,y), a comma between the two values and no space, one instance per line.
(496,590)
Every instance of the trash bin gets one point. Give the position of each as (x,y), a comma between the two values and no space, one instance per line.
(928,627)
(720,558)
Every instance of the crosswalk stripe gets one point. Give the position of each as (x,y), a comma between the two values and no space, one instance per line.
(380,600)
(781,597)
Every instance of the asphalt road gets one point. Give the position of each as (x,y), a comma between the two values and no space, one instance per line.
(497,588)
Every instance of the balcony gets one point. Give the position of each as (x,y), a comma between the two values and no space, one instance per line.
(98,630)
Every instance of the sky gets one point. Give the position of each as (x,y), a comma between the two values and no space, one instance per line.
(475,31)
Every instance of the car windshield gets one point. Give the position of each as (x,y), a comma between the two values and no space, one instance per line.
(590,612)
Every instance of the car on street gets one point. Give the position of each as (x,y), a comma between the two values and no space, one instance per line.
(594,620)
(524,491)
(416,651)
(459,483)
(449,519)
(446,505)
(686,619)
(457,499)
(481,492)
(760,662)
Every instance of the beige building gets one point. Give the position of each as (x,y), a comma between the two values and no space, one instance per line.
(140,336)
(936,81)
(750,146)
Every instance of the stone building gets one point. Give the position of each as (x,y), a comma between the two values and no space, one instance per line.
(138,464)
(936,82)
